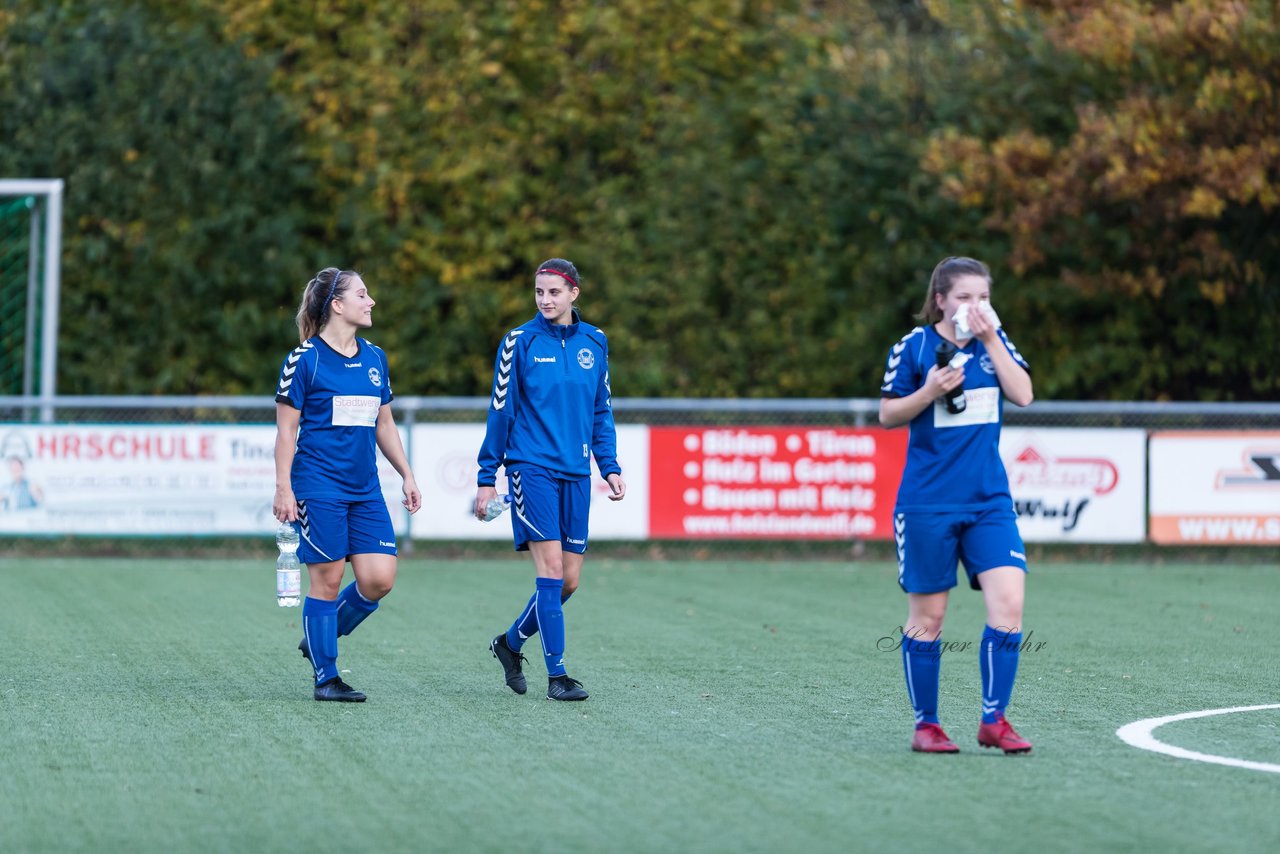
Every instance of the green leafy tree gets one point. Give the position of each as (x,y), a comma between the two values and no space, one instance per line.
(738,181)
(1148,220)
(185,211)
(756,191)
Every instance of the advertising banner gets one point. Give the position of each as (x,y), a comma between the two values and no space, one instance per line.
(1085,486)
(143,479)
(683,483)
(444,461)
(1215,488)
(774,482)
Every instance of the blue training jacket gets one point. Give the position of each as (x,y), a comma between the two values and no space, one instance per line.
(551,404)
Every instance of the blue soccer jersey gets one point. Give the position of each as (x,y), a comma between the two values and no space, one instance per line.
(953,461)
(338,398)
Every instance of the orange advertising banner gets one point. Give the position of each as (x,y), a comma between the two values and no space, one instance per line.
(1215,487)
(1213,530)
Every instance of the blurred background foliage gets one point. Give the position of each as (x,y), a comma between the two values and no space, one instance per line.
(755,192)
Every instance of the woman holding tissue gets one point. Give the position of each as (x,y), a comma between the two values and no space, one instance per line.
(954,503)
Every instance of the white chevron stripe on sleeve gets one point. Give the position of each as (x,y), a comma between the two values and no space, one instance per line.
(291,366)
(895,359)
(1013,349)
(503,383)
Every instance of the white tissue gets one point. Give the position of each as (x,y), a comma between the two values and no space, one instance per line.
(961,320)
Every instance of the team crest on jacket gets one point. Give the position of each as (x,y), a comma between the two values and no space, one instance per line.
(586,359)
(375,377)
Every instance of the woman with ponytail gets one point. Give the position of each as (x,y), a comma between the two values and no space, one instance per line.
(948,379)
(333,412)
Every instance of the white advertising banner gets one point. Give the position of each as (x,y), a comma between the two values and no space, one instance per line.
(143,479)
(1085,486)
(444,461)
(1215,488)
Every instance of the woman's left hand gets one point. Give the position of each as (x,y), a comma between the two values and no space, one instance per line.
(980,325)
(412,497)
(617,487)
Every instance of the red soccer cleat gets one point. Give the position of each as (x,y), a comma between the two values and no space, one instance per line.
(1002,735)
(930,738)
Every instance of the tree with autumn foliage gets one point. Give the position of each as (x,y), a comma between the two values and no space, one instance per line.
(1145,230)
(755,190)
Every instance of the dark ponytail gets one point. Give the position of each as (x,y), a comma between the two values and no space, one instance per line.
(327,285)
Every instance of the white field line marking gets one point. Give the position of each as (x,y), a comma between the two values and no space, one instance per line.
(1139,734)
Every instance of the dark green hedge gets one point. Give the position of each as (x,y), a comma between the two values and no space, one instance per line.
(755,192)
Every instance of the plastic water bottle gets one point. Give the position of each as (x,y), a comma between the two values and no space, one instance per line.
(288,570)
(496,507)
(955,400)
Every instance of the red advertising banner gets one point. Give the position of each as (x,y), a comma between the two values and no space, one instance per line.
(773,482)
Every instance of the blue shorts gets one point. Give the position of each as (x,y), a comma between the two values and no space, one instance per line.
(334,529)
(930,544)
(547,507)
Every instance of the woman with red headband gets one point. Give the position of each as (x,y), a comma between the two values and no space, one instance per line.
(550,411)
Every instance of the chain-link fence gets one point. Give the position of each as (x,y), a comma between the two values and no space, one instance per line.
(851,412)
(769,476)
(19,262)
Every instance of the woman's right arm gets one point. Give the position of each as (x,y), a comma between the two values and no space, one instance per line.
(503,404)
(284,506)
(896,411)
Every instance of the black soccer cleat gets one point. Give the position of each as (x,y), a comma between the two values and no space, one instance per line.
(564,688)
(337,691)
(511,663)
(304,649)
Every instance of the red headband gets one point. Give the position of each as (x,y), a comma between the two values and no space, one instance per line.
(564,276)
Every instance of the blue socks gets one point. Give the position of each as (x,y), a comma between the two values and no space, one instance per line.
(998,660)
(320,628)
(550,616)
(921,663)
(349,610)
(352,609)
(526,625)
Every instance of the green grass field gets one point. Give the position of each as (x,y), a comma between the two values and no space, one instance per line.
(158,705)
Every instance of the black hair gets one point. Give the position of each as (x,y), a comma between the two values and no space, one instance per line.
(560,267)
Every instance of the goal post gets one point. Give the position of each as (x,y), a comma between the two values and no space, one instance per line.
(30,254)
